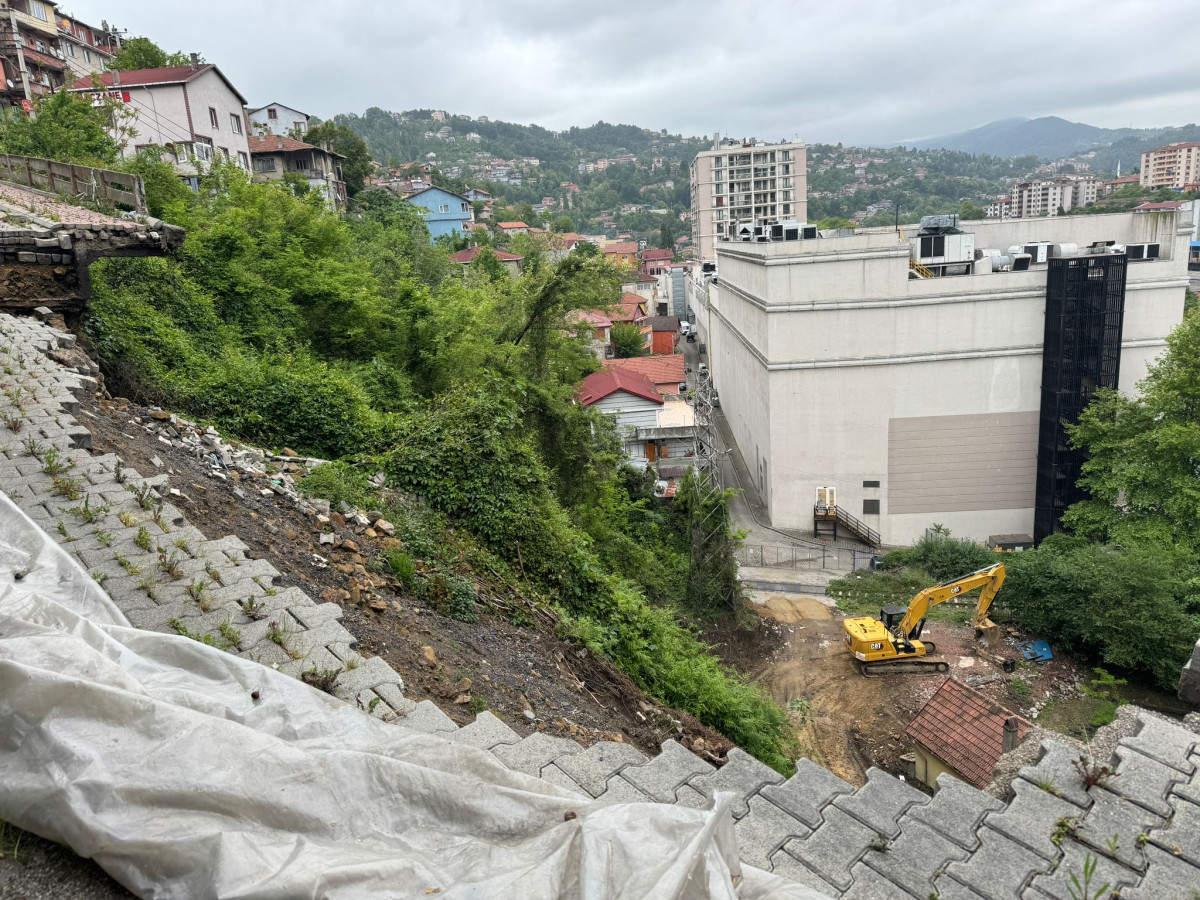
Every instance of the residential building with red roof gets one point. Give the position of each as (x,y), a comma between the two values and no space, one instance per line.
(85,49)
(274,155)
(630,399)
(193,112)
(513,227)
(666,373)
(511,261)
(963,732)
(623,253)
(630,308)
(664,331)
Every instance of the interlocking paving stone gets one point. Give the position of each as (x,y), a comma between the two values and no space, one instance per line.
(1165,742)
(592,768)
(556,776)
(395,699)
(833,848)
(881,801)
(621,791)
(788,867)
(999,869)
(533,753)
(947,888)
(1057,884)
(368,674)
(763,830)
(956,811)
(429,718)
(485,732)
(1167,876)
(914,859)
(1031,818)
(661,777)
(870,885)
(742,774)
(1181,837)
(1054,770)
(1112,818)
(807,792)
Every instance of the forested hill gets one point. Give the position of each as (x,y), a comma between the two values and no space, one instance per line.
(1051,137)
(396,138)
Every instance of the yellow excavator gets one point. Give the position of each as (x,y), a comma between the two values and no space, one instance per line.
(891,644)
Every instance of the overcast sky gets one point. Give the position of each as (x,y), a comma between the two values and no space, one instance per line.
(855,71)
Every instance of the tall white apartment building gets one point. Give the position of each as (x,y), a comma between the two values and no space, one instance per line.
(928,376)
(746,181)
(1048,196)
(1171,166)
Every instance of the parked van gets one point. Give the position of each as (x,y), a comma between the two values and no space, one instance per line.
(703,370)
(685,328)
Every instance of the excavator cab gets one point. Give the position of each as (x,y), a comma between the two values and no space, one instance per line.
(891,616)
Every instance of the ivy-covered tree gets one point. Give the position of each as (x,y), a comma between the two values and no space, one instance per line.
(143,53)
(340,139)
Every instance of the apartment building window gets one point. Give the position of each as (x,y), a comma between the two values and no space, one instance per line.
(70,50)
(244,161)
(465,208)
(272,113)
(300,126)
(38,9)
(264,164)
(212,118)
(87,56)
(235,123)
(786,209)
(444,208)
(785,155)
(203,151)
(717,162)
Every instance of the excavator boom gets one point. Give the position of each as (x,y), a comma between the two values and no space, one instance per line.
(894,645)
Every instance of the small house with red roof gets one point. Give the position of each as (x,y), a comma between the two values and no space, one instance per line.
(274,155)
(963,732)
(511,261)
(664,334)
(630,399)
(601,329)
(193,112)
(511,228)
(657,262)
(666,373)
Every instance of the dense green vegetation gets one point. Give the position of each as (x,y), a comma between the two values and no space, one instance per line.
(356,339)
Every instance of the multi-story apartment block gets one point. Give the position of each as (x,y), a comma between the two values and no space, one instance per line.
(32,61)
(275,155)
(194,113)
(1048,196)
(85,49)
(745,181)
(1171,166)
(908,383)
(1000,208)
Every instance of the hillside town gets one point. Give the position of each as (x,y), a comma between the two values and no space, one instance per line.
(420,503)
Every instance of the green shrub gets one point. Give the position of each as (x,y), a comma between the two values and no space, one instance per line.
(942,557)
(339,482)
(451,595)
(1019,689)
(401,566)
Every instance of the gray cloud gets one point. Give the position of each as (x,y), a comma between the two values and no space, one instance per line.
(857,72)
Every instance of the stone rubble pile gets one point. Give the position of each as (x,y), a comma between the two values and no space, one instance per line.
(1140,825)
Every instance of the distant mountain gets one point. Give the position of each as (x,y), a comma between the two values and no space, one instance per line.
(1048,137)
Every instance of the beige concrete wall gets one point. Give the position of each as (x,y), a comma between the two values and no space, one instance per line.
(820,346)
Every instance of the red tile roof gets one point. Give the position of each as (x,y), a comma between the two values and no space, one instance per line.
(276,143)
(599,385)
(146,77)
(964,729)
(622,247)
(628,308)
(466,256)
(591,316)
(1165,204)
(667,255)
(665,370)
(513,225)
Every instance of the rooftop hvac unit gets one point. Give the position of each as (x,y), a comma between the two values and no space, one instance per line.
(1039,251)
(935,224)
(741,232)
(1021,261)
(1142,251)
(708,267)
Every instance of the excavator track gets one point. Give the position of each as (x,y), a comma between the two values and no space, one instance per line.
(906,665)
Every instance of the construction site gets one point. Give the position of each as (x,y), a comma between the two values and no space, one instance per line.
(229,683)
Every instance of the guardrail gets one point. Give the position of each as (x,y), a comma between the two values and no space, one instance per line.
(786,556)
(80,182)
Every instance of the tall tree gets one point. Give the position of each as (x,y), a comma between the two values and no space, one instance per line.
(143,53)
(628,340)
(340,139)
(65,127)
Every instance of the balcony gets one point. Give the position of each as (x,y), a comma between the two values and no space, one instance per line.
(26,20)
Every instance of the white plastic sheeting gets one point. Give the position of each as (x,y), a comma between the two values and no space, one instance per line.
(148,753)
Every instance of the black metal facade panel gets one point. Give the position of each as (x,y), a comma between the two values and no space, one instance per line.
(1081,353)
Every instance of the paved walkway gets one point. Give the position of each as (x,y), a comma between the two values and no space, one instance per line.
(883,840)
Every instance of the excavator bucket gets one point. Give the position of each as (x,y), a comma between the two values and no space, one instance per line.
(988,633)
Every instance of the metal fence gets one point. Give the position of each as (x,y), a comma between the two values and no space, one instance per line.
(80,182)
(785,556)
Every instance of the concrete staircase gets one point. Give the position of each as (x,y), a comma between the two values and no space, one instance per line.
(883,840)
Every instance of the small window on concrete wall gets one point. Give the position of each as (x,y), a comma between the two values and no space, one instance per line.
(870,507)
(870,484)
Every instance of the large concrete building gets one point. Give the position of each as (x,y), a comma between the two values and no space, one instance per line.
(903,381)
(745,182)
(1047,196)
(1171,166)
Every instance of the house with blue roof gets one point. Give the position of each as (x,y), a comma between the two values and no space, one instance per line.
(444,212)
